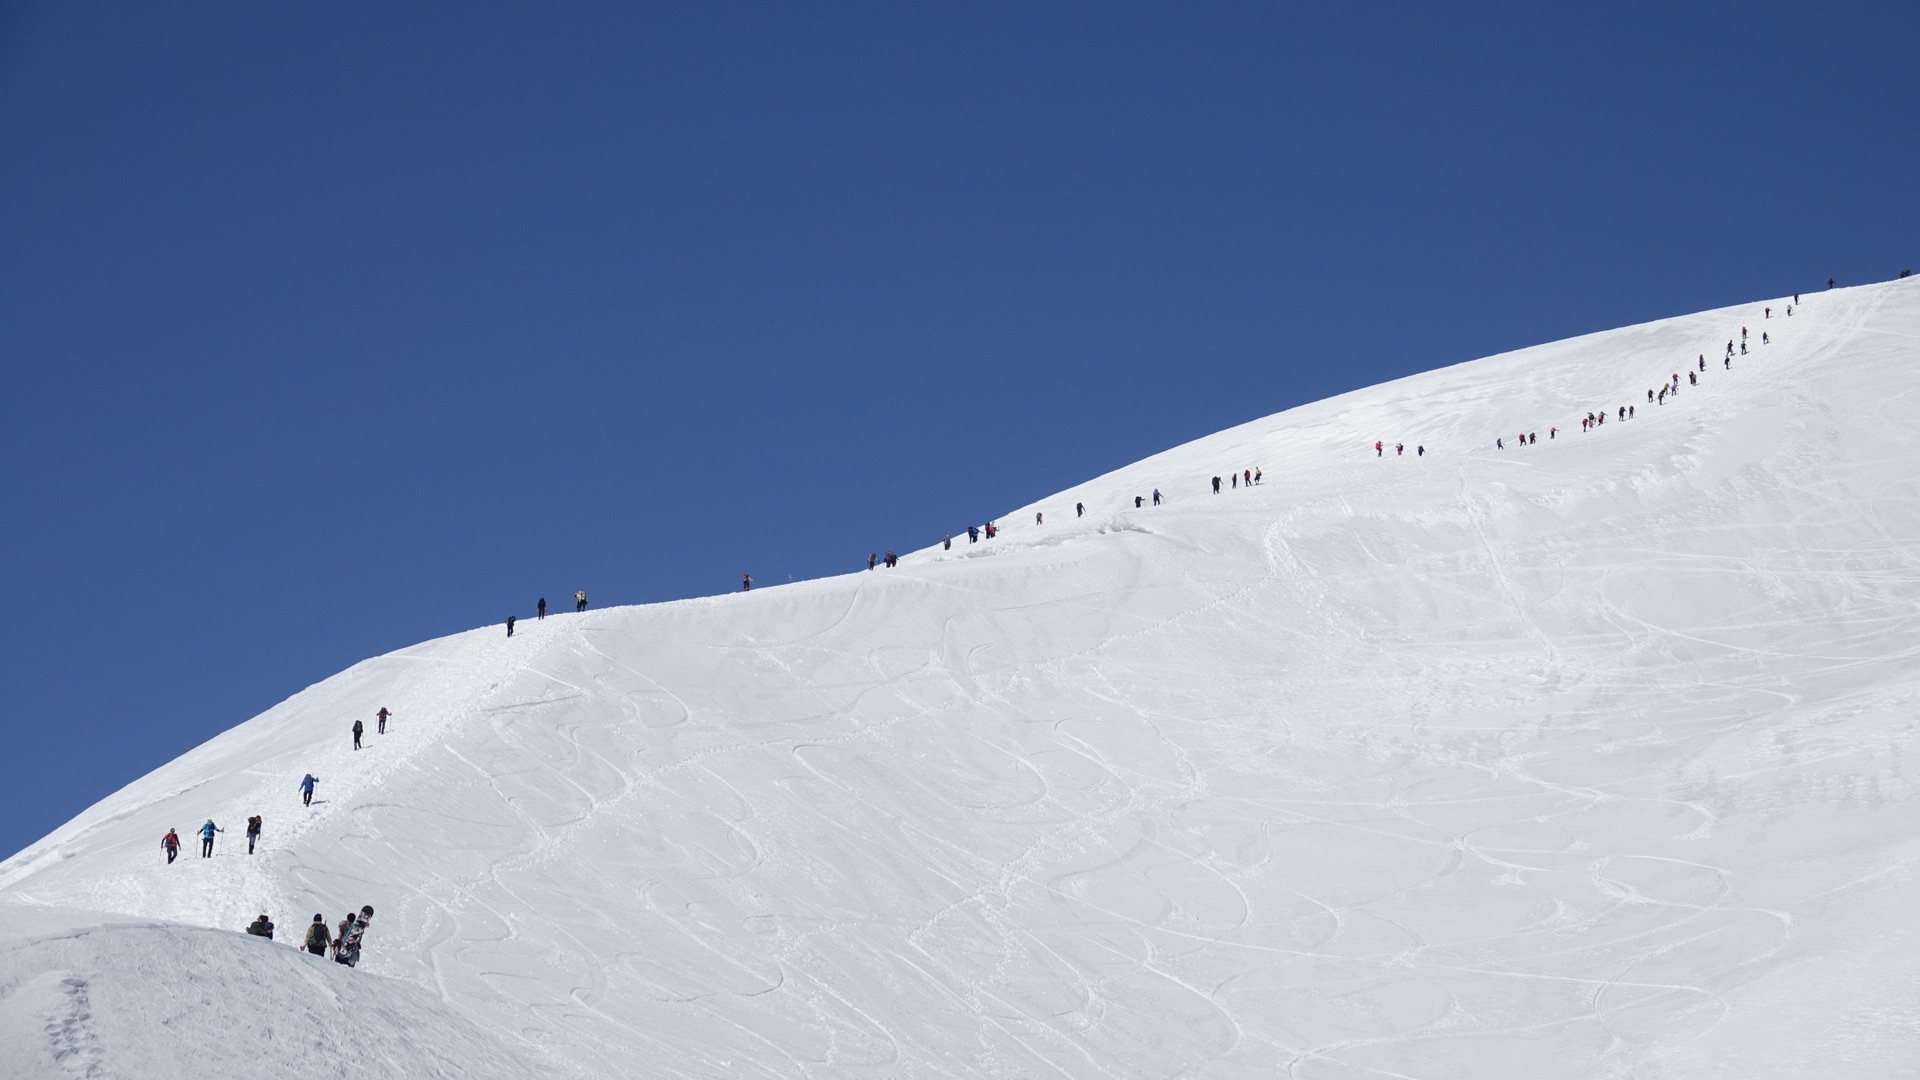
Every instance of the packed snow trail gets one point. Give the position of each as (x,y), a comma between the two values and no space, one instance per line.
(1583,760)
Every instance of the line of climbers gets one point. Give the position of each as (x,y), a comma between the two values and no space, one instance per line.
(1669,388)
(1251,477)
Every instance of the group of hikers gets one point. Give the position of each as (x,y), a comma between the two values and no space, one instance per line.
(1668,388)
(540,612)
(344,943)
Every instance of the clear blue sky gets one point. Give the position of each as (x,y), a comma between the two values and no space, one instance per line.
(326,332)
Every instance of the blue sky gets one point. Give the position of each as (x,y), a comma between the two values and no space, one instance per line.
(326,332)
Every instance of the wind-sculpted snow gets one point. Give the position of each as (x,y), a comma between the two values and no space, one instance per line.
(79,998)
(1583,758)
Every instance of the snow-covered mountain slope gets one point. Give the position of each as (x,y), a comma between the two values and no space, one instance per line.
(86,996)
(1583,758)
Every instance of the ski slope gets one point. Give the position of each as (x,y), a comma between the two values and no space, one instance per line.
(1578,759)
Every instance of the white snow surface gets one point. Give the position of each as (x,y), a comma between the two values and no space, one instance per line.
(1584,758)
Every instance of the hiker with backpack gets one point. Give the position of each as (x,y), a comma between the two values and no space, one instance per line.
(206,838)
(262,927)
(253,832)
(317,937)
(170,844)
(306,789)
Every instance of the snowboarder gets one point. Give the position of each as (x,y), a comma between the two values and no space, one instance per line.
(347,949)
(358,727)
(509,626)
(170,844)
(306,789)
(382,717)
(580,600)
(206,838)
(340,935)
(539,612)
(746,583)
(317,937)
(262,927)
(1079,509)
(253,832)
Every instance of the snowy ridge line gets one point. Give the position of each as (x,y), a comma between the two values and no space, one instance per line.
(1336,414)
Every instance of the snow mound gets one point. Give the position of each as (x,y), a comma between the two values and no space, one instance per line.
(1579,758)
(82,997)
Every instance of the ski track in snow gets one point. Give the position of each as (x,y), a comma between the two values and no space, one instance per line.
(1579,759)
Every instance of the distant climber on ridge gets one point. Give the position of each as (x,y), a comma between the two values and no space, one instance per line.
(580,600)
(539,612)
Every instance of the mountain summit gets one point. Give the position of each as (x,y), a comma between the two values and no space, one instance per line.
(1582,756)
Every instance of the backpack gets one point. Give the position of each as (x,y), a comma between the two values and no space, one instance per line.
(253,823)
(317,936)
